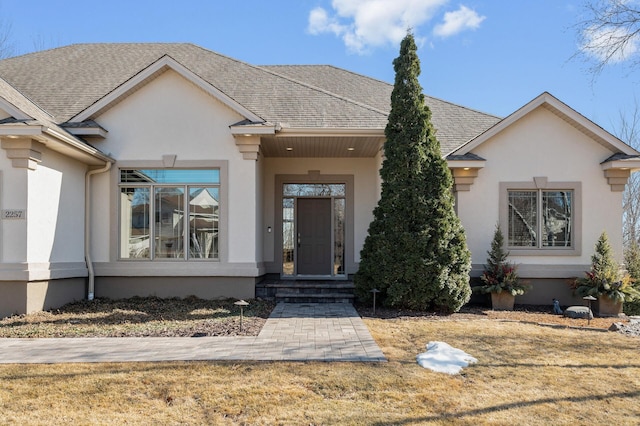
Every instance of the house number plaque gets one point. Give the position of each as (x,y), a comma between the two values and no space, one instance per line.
(13,214)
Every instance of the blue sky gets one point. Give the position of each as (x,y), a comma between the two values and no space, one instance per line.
(493,56)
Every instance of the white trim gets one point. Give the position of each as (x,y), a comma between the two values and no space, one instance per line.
(21,130)
(253,130)
(177,269)
(165,62)
(327,131)
(462,164)
(12,110)
(87,131)
(631,164)
(570,115)
(42,271)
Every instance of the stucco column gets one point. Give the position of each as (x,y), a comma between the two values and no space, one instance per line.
(243,208)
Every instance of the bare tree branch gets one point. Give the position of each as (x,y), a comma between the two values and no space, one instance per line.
(628,130)
(609,33)
(7,47)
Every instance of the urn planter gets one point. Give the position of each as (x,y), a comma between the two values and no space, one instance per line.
(502,301)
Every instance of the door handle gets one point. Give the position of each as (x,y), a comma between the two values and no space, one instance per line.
(298,240)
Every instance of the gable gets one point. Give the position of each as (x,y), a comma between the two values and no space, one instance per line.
(541,144)
(562,112)
(168,115)
(149,74)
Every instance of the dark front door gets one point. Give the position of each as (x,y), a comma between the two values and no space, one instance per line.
(314,236)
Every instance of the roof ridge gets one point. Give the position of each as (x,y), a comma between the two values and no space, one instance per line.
(318,89)
(380,81)
(334,67)
(462,106)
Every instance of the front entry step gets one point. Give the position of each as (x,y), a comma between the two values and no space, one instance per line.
(306,291)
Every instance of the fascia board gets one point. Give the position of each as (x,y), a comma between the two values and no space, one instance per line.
(461,164)
(632,164)
(59,137)
(143,75)
(13,111)
(252,130)
(329,131)
(21,130)
(87,131)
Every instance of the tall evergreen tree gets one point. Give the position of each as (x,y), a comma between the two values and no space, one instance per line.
(416,252)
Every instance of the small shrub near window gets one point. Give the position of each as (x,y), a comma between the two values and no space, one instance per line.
(499,274)
(605,277)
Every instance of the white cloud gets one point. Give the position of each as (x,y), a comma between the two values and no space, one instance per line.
(610,44)
(363,24)
(460,20)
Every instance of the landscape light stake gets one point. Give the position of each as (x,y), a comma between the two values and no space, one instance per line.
(589,299)
(374,291)
(242,304)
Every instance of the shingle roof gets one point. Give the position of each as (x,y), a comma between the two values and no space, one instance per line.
(455,124)
(36,115)
(67,80)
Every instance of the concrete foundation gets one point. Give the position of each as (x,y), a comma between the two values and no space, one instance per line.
(21,297)
(166,287)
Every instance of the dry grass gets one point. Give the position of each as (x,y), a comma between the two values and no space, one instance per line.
(526,373)
(141,317)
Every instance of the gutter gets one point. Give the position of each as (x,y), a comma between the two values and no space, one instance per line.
(87,226)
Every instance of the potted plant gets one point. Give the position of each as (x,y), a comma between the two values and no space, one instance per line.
(500,277)
(606,281)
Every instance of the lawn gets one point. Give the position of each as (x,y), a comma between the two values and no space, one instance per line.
(525,373)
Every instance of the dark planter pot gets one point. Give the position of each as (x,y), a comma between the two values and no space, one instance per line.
(502,301)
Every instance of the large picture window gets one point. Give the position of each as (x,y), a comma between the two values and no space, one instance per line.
(541,217)
(169,214)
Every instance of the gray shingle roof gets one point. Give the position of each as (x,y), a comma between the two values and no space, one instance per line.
(67,80)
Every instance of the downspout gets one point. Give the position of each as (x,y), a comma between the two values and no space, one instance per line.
(87,226)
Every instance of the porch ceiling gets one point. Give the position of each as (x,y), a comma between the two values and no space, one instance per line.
(321,146)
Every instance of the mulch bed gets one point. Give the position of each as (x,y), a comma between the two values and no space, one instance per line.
(193,317)
(141,317)
(523,313)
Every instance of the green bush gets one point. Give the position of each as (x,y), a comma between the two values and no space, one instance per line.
(500,275)
(605,277)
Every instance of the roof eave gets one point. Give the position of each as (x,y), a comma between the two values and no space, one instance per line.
(57,141)
(329,131)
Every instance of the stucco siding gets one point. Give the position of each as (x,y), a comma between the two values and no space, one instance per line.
(170,116)
(55,214)
(542,145)
(13,195)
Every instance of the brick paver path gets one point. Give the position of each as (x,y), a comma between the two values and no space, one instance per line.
(293,332)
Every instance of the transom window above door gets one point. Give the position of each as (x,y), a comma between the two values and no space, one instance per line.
(313,229)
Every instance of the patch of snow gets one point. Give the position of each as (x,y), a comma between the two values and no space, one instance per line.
(443,358)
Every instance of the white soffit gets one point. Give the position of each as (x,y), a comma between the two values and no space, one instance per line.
(148,74)
(561,110)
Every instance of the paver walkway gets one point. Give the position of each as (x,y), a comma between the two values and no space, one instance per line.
(293,332)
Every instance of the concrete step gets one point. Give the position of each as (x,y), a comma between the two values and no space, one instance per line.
(308,291)
(291,297)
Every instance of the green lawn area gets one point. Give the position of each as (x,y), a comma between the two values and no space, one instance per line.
(525,373)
